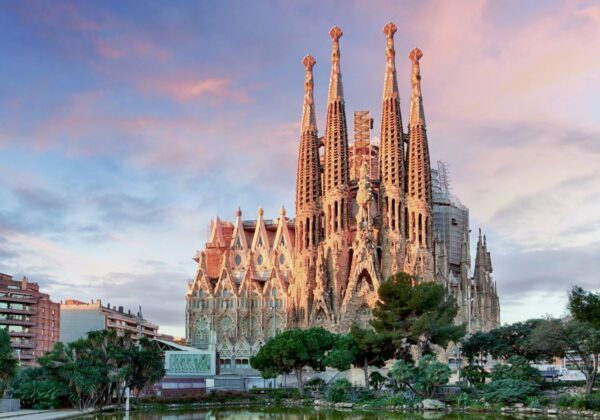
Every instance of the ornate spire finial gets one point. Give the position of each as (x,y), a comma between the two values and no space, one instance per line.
(238,212)
(282,211)
(417,115)
(389,30)
(335,33)
(335,80)
(309,119)
(390,84)
(261,212)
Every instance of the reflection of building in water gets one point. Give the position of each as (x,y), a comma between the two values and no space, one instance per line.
(363,212)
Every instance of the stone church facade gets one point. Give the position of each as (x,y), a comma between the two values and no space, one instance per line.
(363,212)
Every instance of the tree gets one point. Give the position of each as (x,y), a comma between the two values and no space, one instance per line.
(504,342)
(8,364)
(376,380)
(422,314)
(147,366)
(102,365)
(577,341)
(517,368)
(361,348)
(423,379)
(292,351)
(585,306)
(475,374)
(510,390)
(38,390)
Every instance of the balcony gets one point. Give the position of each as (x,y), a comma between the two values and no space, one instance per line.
(28,300)
(30,311)
(21,334)
(27,323)
(23,345)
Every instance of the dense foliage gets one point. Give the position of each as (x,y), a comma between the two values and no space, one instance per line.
(517,368)
(504,342)
(90,372)
(292,351)
(510,390)
(360,348)
(37,389)
(8,364)
(415,314)
(423,379)
(475,374)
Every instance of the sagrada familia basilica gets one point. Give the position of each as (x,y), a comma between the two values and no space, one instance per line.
(363,213)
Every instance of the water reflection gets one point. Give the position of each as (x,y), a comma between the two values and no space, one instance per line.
(294,414)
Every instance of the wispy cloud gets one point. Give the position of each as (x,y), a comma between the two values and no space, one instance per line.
(213,90)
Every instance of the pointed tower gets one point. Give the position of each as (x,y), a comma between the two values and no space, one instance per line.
(336,174)
(419,210)
(308,178)
(391,165)
(308,201)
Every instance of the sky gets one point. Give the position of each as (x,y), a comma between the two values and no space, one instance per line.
(125,126)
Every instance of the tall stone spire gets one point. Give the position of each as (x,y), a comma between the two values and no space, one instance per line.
(336,146)
(391,162)
(308,203)
(308,178)
(419,206)
(419,175)
(336,203)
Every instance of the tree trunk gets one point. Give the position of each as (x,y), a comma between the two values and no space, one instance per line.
(366,371)
(589,384)
(299,379)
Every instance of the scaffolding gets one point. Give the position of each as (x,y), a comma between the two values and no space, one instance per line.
(362,150)
(443,177)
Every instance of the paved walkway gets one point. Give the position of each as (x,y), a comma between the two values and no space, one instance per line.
(41,414)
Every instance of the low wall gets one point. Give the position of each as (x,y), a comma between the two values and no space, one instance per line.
(7,404)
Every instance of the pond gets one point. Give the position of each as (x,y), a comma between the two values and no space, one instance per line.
(281,413)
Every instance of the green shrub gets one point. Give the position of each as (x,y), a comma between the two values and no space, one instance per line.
(403,398)
(592,402)
(517,368)
(562,384)
(339,391)
(510,390)
(536,402)
(376,380)
(37,390)
(315,384)
(571,401)
(475,374)
(463,400)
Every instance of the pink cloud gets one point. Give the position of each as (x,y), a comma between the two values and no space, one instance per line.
(213,89)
